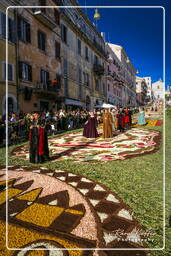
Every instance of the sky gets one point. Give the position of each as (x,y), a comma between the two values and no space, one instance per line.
(139,31)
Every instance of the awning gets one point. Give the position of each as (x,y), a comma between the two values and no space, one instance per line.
(105,105)
(73,102)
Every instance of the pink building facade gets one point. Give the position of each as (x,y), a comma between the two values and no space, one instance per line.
(114,86)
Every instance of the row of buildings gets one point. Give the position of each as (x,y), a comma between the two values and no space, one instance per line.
(58,59)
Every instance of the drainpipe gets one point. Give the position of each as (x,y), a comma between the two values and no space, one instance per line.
(17,58)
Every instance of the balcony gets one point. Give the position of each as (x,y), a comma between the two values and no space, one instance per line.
(41,15)
(50,89)
(98,69)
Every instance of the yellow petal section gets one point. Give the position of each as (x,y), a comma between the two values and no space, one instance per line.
(11,192)
(20,237)
(3,183)
(39,214)
(31,195)
(74,212)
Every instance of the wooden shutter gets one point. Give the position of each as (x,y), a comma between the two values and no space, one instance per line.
(3,25)
(57,50)
(29,72)
(10,73)
(39,39)
(20,65)
(19,27)
(28,33)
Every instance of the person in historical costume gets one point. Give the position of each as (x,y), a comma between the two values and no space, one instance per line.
(130,112)
(121,120)
(107,124)
(90,126)
(38,148)
(141,117)
(114,119)
(127,118)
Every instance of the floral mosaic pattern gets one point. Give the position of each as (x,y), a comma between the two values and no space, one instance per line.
(61,210)
(73,146)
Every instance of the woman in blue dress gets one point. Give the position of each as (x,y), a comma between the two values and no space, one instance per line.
(141,117)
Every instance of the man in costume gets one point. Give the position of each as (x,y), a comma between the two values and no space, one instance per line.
(90,130)
(39,151)
(107,124)
(121,120)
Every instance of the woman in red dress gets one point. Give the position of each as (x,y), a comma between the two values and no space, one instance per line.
(90,126)
(127,118)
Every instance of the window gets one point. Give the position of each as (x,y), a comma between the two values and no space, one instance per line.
(24,33)
(79,75)
(87,79)
(86,53)
(57,16)
(104,89)
(97,85)
(57,50)
(64,33)
(79,46)
(10,71)
(84,77)
(44,77)
(25,71)
(41,40)
(11,28)
(95,59)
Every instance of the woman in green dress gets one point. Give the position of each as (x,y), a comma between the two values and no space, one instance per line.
(141,117)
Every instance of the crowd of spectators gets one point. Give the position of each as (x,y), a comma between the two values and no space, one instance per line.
(54,122)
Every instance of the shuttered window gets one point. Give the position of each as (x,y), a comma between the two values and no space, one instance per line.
(24,32)
(44,77)
(11,28)
(41,40)
(25,71)
(10,71)
(64,33)
(57,50)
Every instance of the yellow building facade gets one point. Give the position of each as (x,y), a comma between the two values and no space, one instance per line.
(12,86)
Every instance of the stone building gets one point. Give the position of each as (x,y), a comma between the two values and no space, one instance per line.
(12,84)
(114,85)
(158,90)
(149,86)
(141,91)
(83,59)
(126,76)
(38,56)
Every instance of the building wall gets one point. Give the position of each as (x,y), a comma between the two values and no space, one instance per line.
(75,65)
(114,89)
(127,76)
(157,90)
(149,87)
(12,93)
(38,59)
(141,91)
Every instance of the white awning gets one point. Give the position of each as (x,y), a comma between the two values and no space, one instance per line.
(73,102)
(105,105)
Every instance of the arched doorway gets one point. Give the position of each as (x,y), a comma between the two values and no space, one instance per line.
(12,104)
(88,103)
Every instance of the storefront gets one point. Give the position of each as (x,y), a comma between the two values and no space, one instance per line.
(72,104)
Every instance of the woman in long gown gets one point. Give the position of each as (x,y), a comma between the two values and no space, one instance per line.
(121,120)
(38,141)
(90,127)
(141,117)
(127,118)
(107,124)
